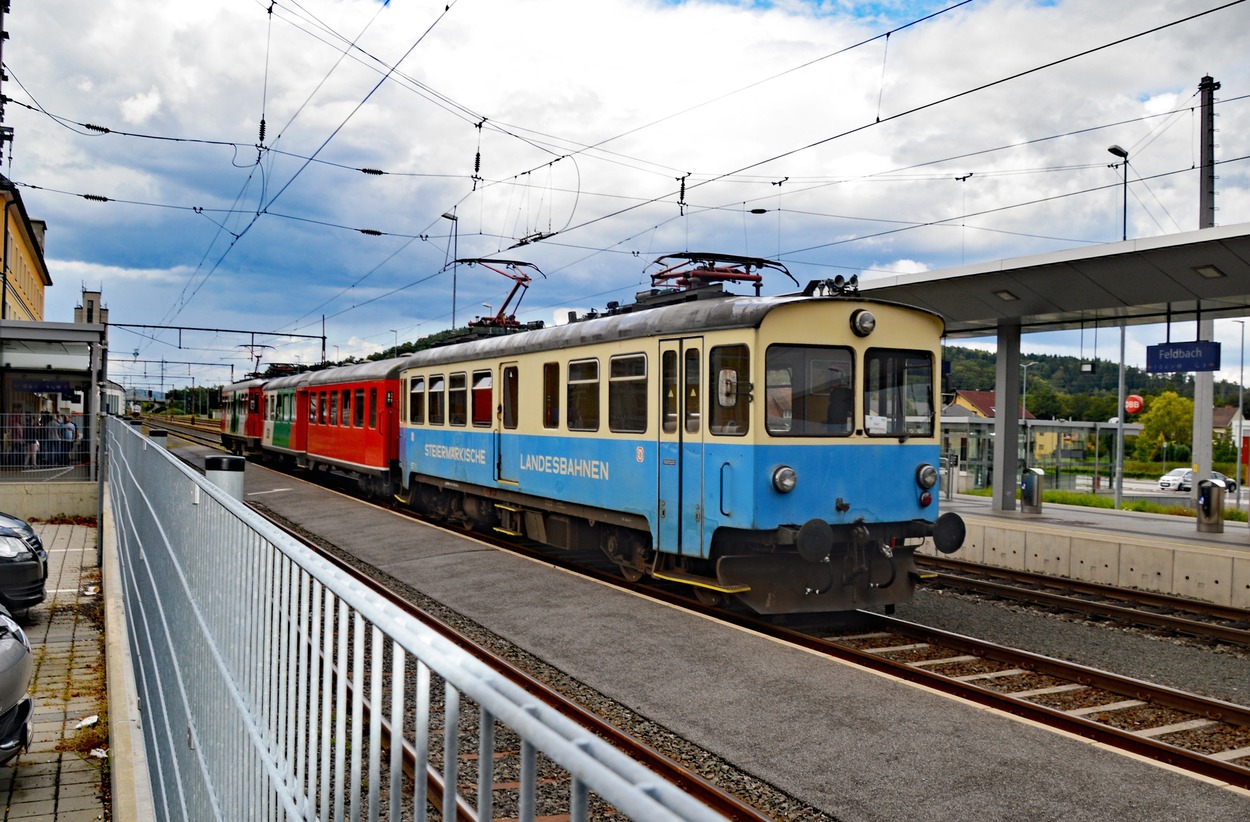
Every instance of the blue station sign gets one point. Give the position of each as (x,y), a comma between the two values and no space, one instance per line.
(1169,358)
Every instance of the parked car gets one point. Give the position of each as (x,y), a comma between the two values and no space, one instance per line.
(1171,481)
(1182,479)
(23,564)
(17,709)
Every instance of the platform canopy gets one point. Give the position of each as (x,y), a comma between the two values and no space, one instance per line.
(1137,282)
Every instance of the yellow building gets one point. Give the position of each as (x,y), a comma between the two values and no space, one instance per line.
(25,272)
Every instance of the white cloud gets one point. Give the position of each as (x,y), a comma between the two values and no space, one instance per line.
(140,108)
(736,96)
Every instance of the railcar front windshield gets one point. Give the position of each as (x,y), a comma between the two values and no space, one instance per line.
(808,392)
(898,393)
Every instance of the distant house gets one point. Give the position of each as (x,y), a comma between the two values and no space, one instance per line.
(978,404)
(1228,422)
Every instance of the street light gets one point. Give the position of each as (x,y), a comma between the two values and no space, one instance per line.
(1119,427)
(1241,381)
(396,333)
(455,256)
(1024,408)
(1123,155)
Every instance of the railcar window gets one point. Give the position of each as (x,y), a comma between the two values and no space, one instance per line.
(373,408)
(583,395)
(551,395)
(358,408)
(808,391)
(691,390)
(898,393)
(627,394)
(482,400)
(510,405)
(437,400)
(668,392)
(334,408)
(321,409)
(729,364)
(345,413)
(458,399)
(416,401)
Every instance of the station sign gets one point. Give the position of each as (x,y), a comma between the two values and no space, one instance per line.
(1169,358)
(1133,404)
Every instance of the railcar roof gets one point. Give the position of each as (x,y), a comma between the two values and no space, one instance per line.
(671,320)
(360,372)
(244,385)
(289,381)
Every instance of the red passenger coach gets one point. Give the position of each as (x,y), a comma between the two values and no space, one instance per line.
(353,421)
(243,416)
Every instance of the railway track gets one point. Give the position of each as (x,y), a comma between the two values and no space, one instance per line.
(1187,731)
(1169,614)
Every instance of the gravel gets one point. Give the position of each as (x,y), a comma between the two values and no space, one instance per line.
(1218,671)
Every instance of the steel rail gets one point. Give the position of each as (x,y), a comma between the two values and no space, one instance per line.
(1149,748)
(695,786)
(1131,613)
(1082,726)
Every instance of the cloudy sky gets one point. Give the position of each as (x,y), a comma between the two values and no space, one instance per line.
(586,138)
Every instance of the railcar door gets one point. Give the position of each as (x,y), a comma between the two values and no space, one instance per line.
(680,503)
(508,453)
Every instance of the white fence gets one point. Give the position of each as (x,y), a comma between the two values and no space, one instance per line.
(255,661)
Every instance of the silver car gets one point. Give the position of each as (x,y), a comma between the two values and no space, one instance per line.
(17,709)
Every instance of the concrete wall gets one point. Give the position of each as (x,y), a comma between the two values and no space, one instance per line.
(1207,574)
(45,500)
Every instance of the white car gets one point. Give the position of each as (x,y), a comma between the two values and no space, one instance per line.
(1181,479)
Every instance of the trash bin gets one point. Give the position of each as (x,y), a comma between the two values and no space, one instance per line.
(1031,491)
(1211,506)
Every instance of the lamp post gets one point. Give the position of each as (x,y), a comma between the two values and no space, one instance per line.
(455,255)
(1119,427)
(1024,409)
(1241,381)
(1123,155)
(396,333)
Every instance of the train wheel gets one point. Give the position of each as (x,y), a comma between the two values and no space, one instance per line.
(630,573)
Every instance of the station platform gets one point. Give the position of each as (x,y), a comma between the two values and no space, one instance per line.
(61,776)
(1154,552)
(853,743)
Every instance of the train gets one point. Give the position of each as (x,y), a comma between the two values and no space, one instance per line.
(780,452)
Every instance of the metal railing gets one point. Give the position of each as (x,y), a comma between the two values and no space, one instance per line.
(257,663)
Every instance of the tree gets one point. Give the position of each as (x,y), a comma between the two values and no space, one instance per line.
(1169,418)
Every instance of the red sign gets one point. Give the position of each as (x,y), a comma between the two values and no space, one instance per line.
(1133,404)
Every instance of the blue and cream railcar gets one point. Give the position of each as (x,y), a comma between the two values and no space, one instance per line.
(782,450)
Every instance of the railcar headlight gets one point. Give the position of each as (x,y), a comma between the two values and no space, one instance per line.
(863,322)
(784,478)
(926,475)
